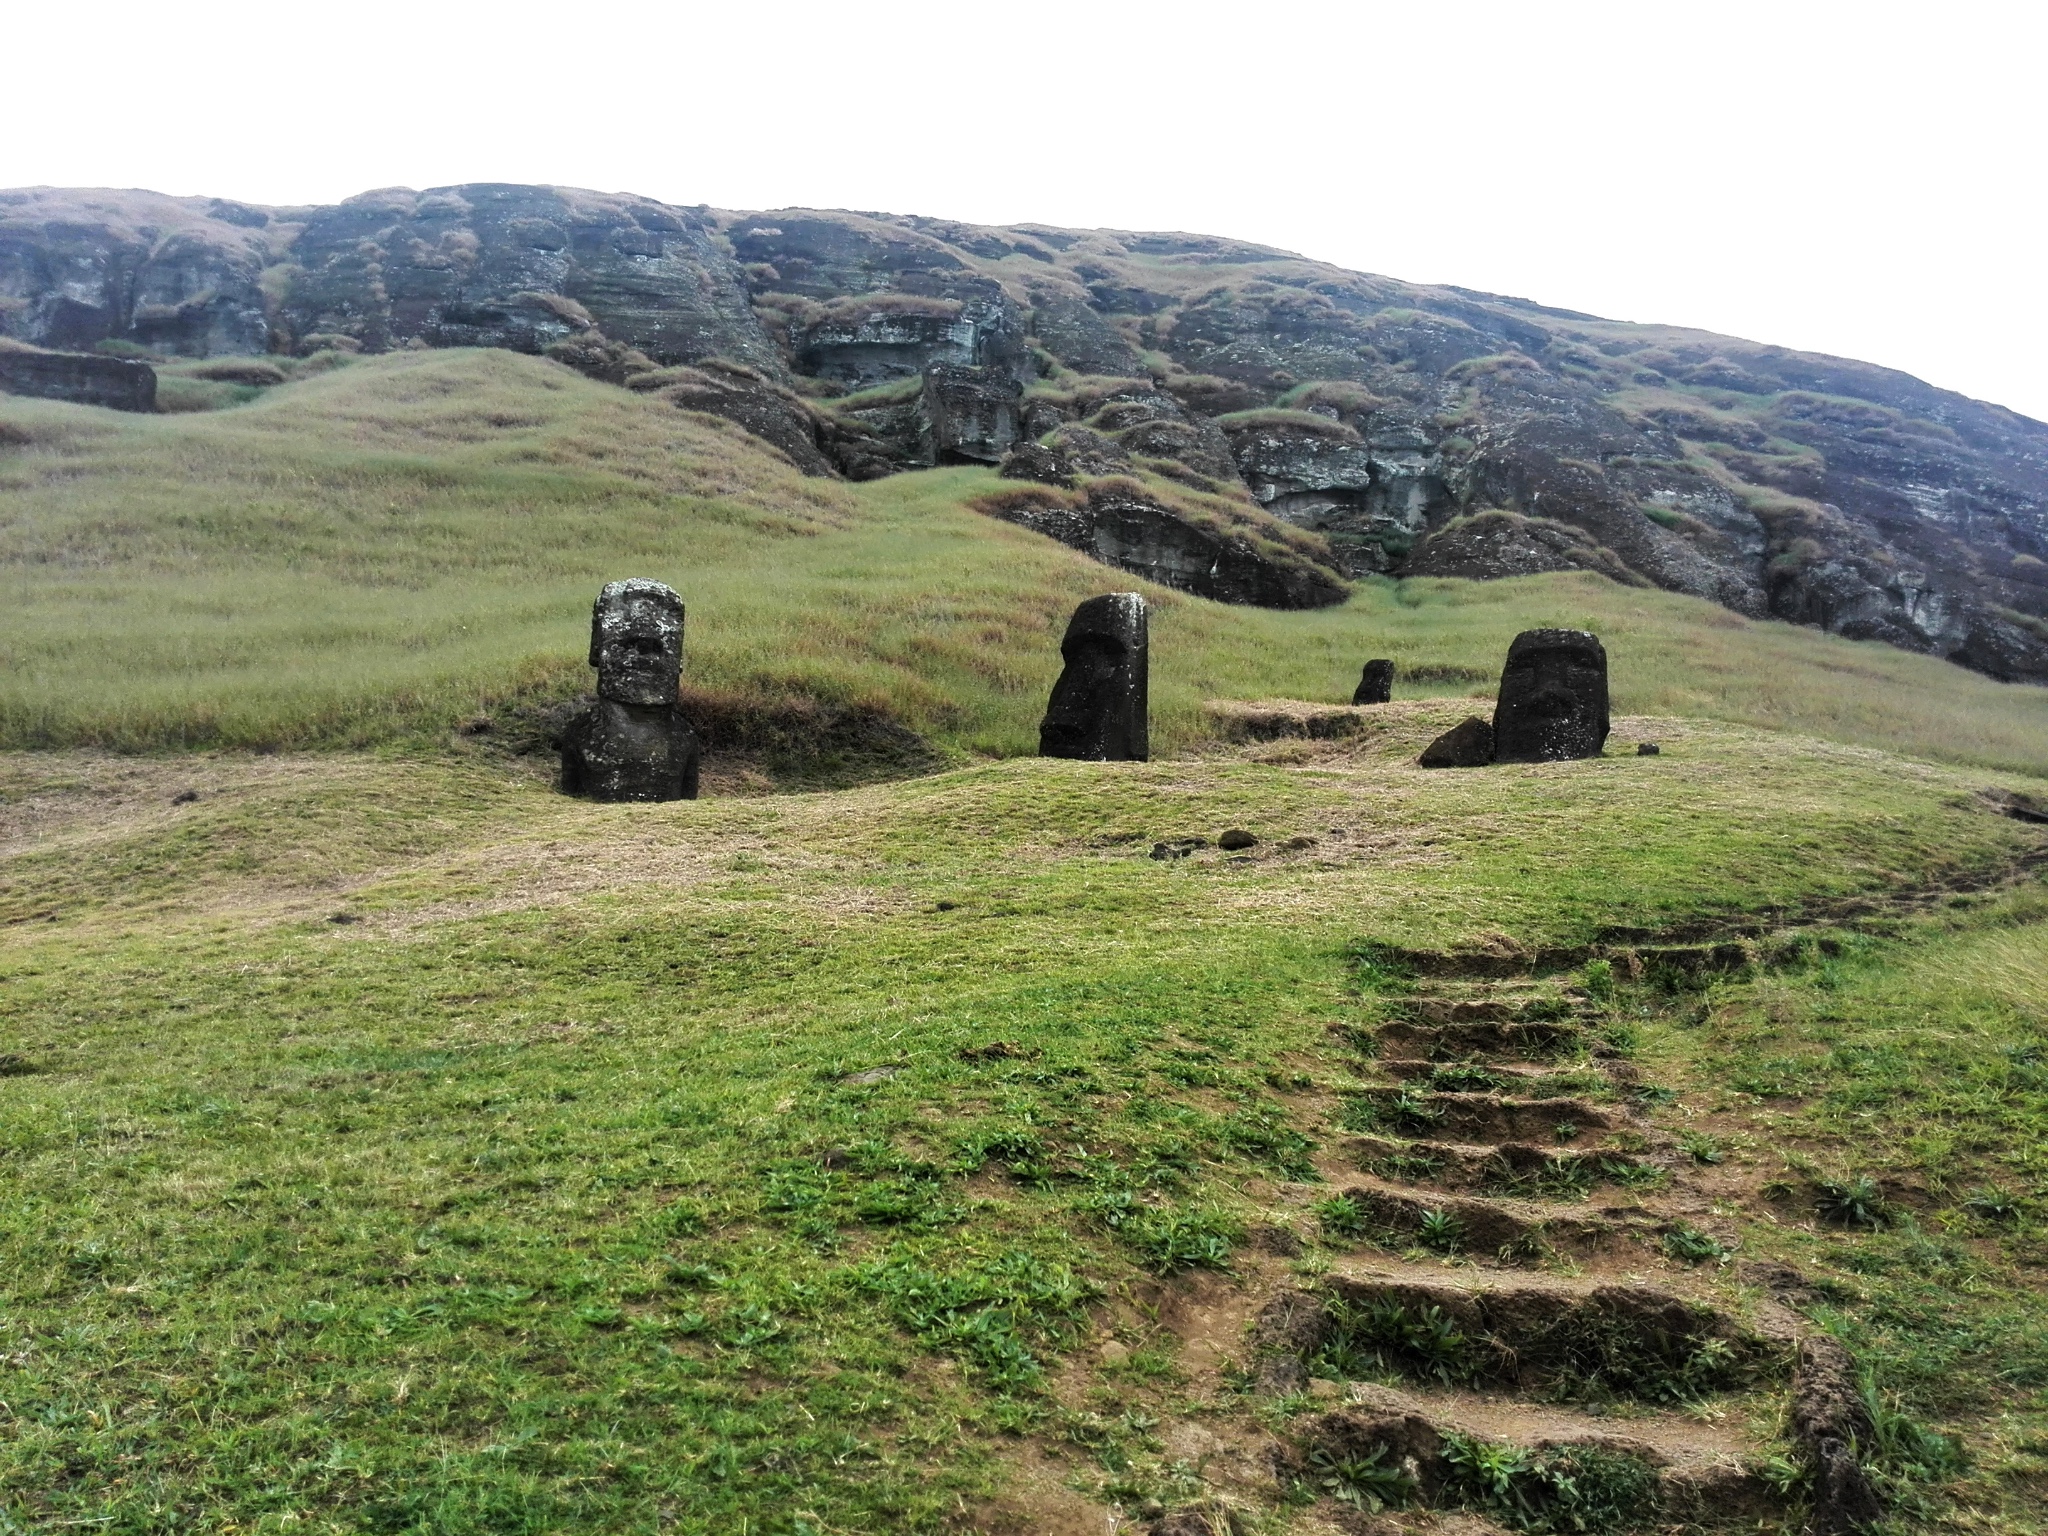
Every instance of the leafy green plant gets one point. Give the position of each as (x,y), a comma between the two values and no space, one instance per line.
(1564,1489)
(1371,1482)
(1993,1204)
(1701,1147)
(1384,1335)
(1440,1231)
(1857,1202)
(1341,1216)
(1166,1241)
(1689,1245)
(1600,980)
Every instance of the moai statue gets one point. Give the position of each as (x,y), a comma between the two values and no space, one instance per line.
(1553,698)
(1098,707)
(631,742)
(1377,685)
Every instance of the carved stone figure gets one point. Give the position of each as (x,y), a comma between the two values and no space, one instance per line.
(1553,698)
(1098,707)
(1377,684)
(631,742)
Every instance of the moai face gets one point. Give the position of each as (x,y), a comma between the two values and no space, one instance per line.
(1098,709)
(1553,698)
(636,642)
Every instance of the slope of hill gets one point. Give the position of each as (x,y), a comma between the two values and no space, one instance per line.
(395,1145)
(388,548)
(1383,414)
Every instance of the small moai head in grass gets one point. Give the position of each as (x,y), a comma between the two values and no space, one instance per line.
(1376,686)
(1098,710)
(636,642)
(1553,698)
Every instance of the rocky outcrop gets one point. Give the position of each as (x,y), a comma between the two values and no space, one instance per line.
(1117,522)
(82,378)
(1488,545)
(966,415)
(521,267)
(1777,483)
(180,276)
(1371,493)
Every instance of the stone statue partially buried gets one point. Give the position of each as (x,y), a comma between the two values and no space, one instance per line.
(1376,684)
(1553,698)
(631,742)
(1098,707)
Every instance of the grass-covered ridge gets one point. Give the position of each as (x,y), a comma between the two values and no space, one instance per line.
(376,552)
(789,1158)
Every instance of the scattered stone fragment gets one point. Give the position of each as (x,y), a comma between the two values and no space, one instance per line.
(1553,698)
(1469,744)
(1376,686)
(1648,749)
(1098,710)
(1237,838)
(631,742)
(185,797)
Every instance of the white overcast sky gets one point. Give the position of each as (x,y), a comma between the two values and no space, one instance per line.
(1865,179)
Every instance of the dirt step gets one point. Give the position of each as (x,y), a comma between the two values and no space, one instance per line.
(1528,1332)
(1519,1168)
(1521,1079)
(1412,1449)
(1521,1040)
(1489,1117)
(1504,1230)
(1483,1004)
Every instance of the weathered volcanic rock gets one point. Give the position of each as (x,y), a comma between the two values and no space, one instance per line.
(518,267)
(180,275)
(1493,544)
(1553,698)
(1098,709)
(80,377)
(1468,744)
(1370,500)
(967,415)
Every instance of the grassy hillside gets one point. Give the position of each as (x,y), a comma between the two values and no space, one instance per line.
(373,554)
(395,1145)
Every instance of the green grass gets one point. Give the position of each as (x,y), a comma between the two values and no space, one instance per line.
(759,1160)
(371,554)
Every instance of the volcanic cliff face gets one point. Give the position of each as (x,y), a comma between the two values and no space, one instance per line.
(1393,428)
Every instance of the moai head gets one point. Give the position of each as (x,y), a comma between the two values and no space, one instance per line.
(1099,706)
(1553,698)
(636,642)
(1376,686)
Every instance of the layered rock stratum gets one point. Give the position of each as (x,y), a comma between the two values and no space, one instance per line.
(1383,427)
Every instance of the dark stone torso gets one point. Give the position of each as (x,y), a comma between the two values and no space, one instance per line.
(614,751)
